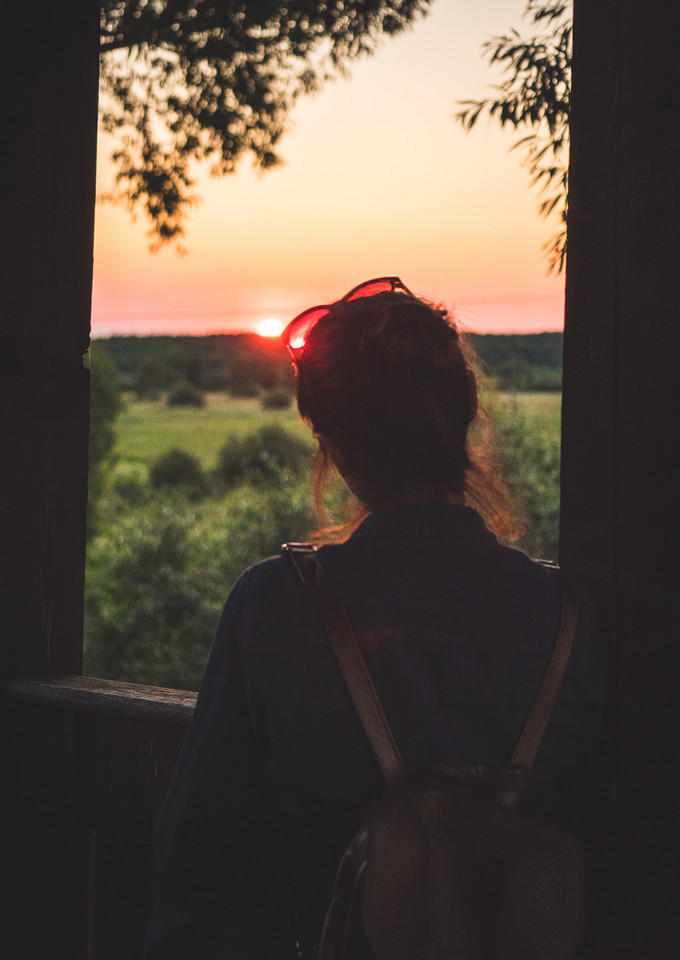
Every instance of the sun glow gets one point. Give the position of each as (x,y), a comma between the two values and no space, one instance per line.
(271,327)
(464,231)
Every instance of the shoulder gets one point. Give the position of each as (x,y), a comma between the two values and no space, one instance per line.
(275,611)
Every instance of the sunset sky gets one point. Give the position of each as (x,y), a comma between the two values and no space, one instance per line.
(378,179)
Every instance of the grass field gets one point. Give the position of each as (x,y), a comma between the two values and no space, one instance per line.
(542,409)
(146,429)
(161,561)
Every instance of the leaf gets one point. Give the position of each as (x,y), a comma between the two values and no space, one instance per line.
(182,80)
(535,94)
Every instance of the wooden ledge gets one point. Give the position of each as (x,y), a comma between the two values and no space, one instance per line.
(93,695)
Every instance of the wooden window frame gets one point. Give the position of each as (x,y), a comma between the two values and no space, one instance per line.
(70,740)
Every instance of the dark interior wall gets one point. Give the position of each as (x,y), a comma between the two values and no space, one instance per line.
(620,489)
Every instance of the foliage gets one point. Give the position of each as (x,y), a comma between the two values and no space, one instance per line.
(126,487)
(177,468)
(528,446)
(185,81)
(153,377)
(161,564)
(247,365)
(146,601)
(520,361)
(185,394)
(535,96)
(244,379)
(278,398)
(158,578)
(146,430)
(270,454)
(105,405)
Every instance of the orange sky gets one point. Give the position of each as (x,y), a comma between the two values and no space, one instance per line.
(378,179)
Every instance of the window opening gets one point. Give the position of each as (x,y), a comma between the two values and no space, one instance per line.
(199,465)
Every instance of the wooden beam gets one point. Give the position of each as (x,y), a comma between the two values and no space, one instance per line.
(132,700)
(50,76)
(50,70)
(88,767)
(620,499)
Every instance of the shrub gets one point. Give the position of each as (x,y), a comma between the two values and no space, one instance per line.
(153,376)
(530,458)
(105,405)
(244,379)
(178,469)
(147,614)
(270,454)
(278,398)
(130,487)
(159,576)
(186,395)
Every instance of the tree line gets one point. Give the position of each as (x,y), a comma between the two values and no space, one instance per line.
(250,365)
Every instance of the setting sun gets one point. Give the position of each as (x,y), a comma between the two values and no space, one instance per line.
(464,232)
(271,327)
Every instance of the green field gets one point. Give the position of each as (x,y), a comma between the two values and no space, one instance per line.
(540,409)
(162,559)
(146,429)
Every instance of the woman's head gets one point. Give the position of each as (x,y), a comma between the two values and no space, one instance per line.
(387,385)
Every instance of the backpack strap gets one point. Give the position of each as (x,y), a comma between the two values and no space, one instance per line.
(365,699)
(350,660)
(534,729)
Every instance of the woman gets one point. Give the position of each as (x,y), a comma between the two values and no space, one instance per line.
(455,627)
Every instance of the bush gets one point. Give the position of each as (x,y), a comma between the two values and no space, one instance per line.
(105,405)
(178,469)
(153,376)
(270,454)
(278,398)
(186,395)
(147,616)
(530,457)
(130,487)
(158,578)
(244,379)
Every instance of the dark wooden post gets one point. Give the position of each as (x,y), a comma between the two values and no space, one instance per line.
(50,70)
(620,492)
(49,73)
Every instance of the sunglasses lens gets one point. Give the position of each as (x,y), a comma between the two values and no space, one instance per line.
(371,289)
(295,335)
(300,328)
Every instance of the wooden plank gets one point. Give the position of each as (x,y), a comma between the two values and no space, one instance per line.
(48,819)
(135,760)
(82,791)
(620,508)
(103,697)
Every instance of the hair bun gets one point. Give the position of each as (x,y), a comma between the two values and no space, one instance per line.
(385,377)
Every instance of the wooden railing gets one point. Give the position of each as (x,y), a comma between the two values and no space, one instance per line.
(88,763)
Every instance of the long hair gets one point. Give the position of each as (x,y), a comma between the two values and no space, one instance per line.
(389,381)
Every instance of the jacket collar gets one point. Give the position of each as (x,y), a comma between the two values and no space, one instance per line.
(422,520)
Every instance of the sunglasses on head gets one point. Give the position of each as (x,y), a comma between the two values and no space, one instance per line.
(296,333)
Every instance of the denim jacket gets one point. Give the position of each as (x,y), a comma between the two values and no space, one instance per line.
(456,630)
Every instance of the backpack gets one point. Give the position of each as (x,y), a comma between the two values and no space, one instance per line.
(442,868)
